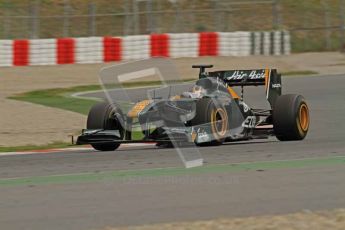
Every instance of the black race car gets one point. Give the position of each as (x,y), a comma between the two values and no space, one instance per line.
(209,114)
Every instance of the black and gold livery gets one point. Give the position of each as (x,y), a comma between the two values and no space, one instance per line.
(210,113)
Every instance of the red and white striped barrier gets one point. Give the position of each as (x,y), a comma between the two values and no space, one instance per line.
(6,53)
(184,45)
(107,49)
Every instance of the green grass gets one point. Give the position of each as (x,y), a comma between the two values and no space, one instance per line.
(57,98)
(35,147)
(61,97)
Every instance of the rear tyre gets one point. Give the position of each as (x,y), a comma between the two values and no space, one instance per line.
(208,112)
(102,116)
(291,117)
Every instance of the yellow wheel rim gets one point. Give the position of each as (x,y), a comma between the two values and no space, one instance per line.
(304,117)
(219,121)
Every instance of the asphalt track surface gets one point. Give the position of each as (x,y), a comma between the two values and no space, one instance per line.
(143,185)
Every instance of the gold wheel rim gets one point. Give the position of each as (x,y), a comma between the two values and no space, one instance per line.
(219,122)
(304,117)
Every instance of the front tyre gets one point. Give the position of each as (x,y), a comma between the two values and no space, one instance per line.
(105,116)
(209,112)
(291,117)
(105,146)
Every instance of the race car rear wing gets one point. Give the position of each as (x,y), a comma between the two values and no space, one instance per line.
(269,78)
(243,77)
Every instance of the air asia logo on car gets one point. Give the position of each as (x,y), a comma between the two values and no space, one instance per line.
(242,74)
(219,82)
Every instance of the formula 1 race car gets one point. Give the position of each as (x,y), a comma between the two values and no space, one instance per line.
(210,113)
